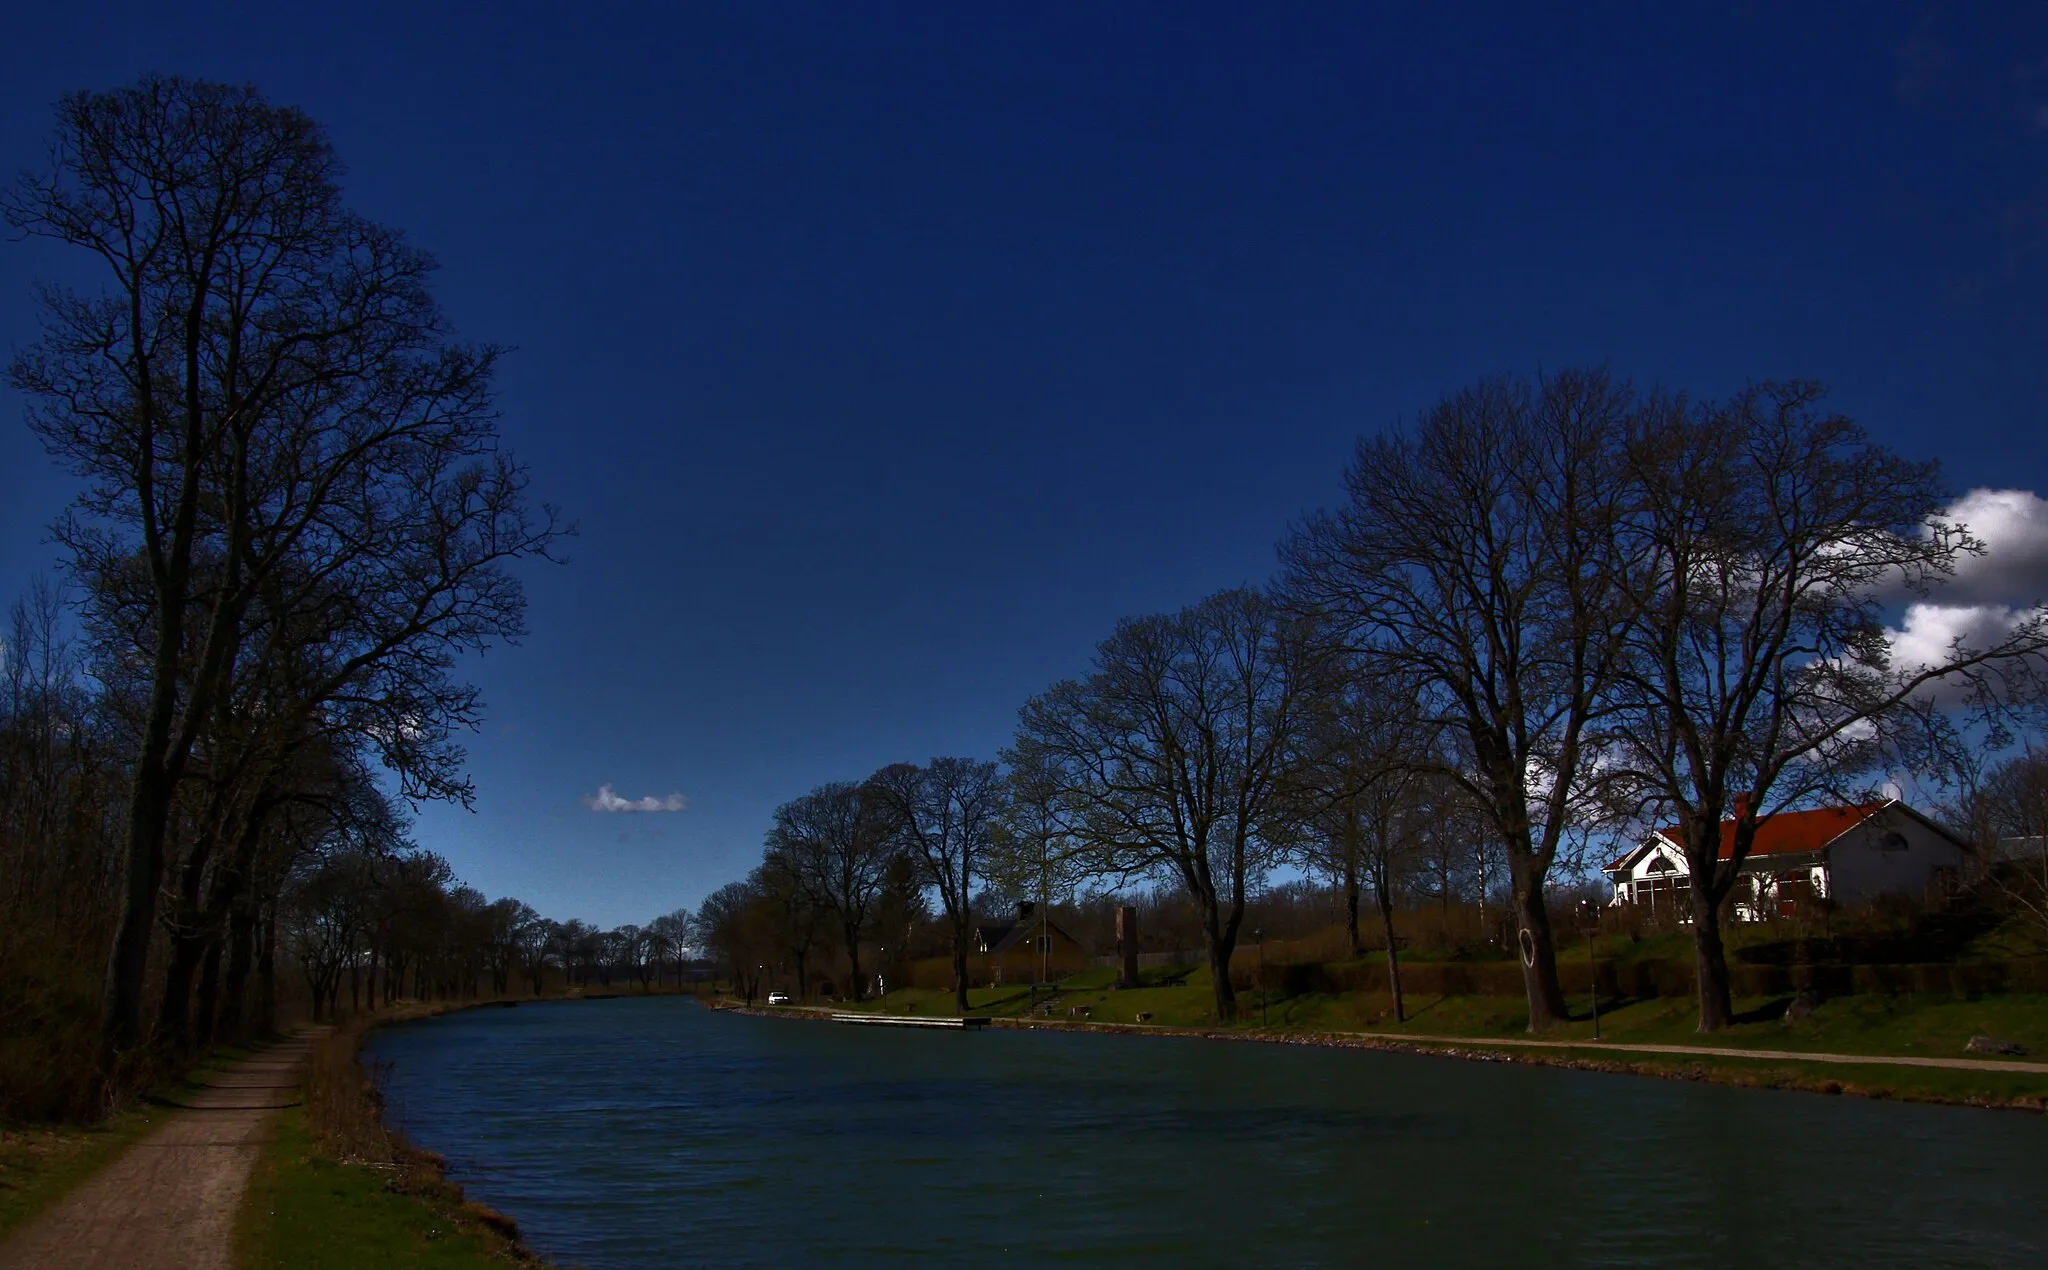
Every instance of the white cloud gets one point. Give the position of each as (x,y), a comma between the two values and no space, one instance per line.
(1930,636)
(605,800)
(2013,570)
(1930,632)
(1989,594)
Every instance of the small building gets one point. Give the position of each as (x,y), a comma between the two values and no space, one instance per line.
(1022,948)
(1845,855)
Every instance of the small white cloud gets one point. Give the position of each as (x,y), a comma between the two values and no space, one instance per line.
(605,800)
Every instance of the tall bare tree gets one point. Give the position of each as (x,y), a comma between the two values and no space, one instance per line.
(944,815)
(837,841)
(1476,554)
(1175,752)
(799,910)
(1363,793)
(1769,539)
(264,381)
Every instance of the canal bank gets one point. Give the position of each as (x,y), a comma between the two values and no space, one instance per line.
(2009,1084)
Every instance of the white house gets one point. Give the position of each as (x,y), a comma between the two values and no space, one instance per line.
(1844,854)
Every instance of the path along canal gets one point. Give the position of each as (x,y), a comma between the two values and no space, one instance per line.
(641,1133)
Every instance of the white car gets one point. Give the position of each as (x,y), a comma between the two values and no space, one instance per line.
(778,998)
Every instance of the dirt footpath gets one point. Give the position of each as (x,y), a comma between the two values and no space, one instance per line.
(169,1202)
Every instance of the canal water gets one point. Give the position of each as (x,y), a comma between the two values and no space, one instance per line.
(654,1132)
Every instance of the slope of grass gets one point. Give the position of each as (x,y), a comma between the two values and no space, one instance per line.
(308,1211)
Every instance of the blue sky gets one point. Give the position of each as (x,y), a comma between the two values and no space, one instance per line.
(887,354)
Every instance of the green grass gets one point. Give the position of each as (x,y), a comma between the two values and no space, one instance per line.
(309,1212)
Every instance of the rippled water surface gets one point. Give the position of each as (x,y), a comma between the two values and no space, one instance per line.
(657,1133)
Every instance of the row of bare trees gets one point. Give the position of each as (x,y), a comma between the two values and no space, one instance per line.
(294,517)
(396,925)
(340,911)
(1548,612)
(853,862)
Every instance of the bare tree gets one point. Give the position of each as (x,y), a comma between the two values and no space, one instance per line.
(944,816)
(2007,812)
(839,845)
(1038,848)
(1769,537)
(1362,793)
(1476,554)
(264,381)
(736,923)
(1175,753)
(799,909)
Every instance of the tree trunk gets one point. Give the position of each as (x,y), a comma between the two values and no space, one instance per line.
(187,947)
(962,932)
(1537,949)
(266,972)
(1393,955)
(1710,958)
(1351,889)
(241,938)
(853,962)
(209,996)
(148,810)
(1220,946)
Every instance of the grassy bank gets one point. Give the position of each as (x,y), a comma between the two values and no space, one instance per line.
(1903,1025)
(41,1162)
(336,1189)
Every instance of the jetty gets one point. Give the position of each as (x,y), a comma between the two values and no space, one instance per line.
(910,1020)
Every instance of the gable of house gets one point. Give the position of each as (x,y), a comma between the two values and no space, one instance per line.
(1846,853)
(999,938)
(1897,850)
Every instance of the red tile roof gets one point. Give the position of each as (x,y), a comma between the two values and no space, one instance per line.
(1791,832)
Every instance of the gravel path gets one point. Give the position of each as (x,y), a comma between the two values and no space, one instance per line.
(169,1202)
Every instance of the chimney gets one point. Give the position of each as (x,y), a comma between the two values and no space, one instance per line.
(1024,910)
(1742,805)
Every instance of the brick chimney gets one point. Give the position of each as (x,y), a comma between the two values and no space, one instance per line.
(1742,805)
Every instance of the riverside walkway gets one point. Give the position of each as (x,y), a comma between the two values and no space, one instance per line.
(169,1201)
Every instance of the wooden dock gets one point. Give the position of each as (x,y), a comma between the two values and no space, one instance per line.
(911,1020)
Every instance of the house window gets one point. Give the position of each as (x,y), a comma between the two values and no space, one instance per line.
(1044,943)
